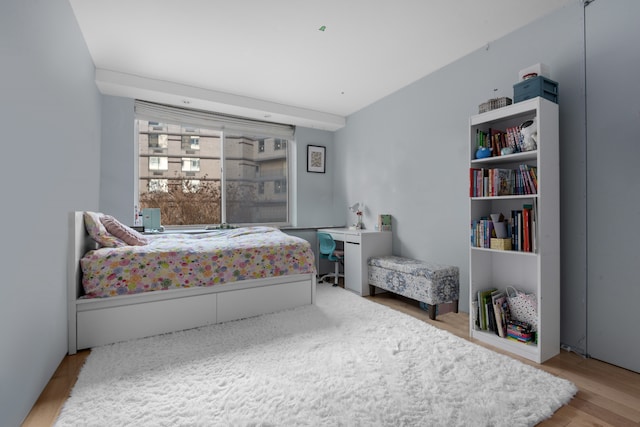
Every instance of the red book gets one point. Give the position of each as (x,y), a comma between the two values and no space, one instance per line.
(526,233)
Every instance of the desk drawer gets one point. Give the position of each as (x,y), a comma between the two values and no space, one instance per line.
(337,236)
(352,238)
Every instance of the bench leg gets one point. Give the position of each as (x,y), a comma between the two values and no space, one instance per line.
(372,290)
(455,306)
(432,311)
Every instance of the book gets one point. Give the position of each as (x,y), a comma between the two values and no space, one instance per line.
(516,232)
(519,238)
(527,175)
(495,136)
(384,222)
(526,231)
(474,313)
(484,297)
(534,227)
(497,299)
(505,182)
(472,182)
(529,342)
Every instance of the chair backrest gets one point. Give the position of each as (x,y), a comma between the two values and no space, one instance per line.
(326,244)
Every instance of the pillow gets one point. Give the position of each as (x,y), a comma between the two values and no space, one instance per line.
(126,234)
(98,232)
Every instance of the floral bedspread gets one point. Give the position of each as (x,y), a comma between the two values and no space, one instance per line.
(172,261)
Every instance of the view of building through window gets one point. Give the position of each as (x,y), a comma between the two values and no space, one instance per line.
(180,172)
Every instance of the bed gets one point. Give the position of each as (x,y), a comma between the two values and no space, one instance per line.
(134,291)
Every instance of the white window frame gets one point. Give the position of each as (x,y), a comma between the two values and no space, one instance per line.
(234,123)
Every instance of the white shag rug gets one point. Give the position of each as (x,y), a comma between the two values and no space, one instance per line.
(344,362)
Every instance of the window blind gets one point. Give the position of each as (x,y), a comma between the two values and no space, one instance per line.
(232,125)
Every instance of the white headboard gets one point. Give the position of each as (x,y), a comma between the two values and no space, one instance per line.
(79,244)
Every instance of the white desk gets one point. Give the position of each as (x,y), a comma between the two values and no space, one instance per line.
(359,246)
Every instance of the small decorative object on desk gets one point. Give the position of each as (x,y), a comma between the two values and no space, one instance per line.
(384,222)
(357,208)
(494,103)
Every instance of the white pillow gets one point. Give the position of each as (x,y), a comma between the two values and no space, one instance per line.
(98,232)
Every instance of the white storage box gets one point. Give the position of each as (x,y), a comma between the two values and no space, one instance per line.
(539,68)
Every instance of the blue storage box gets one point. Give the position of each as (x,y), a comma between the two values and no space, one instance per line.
(536,86)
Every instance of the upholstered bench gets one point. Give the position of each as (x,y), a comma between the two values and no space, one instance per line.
(427,282)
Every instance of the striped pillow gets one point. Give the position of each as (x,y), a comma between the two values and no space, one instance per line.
(126,234)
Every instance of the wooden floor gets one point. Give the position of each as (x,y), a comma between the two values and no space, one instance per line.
(607,396)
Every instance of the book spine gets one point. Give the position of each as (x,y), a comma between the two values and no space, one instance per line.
(526,236)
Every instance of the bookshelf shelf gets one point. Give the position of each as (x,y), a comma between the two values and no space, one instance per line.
(516,157)
(512,196)
(535,268)
(505,252)
(529,351)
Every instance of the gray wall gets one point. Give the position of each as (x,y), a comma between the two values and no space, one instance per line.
(407,154)
(50,120)
(117,158)
(613,209)
(314,193)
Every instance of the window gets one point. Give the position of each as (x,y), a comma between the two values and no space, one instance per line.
(231,180)
(190,165)
(190,142)
(158,163)
(157,140)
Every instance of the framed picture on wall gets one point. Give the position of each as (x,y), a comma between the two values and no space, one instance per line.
(316,158)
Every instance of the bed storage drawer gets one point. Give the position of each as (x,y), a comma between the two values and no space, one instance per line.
(103,326)
(244,303)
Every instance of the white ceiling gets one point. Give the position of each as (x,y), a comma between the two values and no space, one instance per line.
(270,60)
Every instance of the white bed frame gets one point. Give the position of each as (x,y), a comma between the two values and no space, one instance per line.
(99,321)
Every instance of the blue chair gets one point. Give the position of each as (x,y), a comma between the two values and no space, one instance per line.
(327,247)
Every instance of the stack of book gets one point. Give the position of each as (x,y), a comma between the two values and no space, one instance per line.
(491,313)
(492,182)
(522,229)
(497,140)
(481,232)
(524,224)
(520,331)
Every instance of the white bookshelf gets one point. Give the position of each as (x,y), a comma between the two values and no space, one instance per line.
(532,272)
